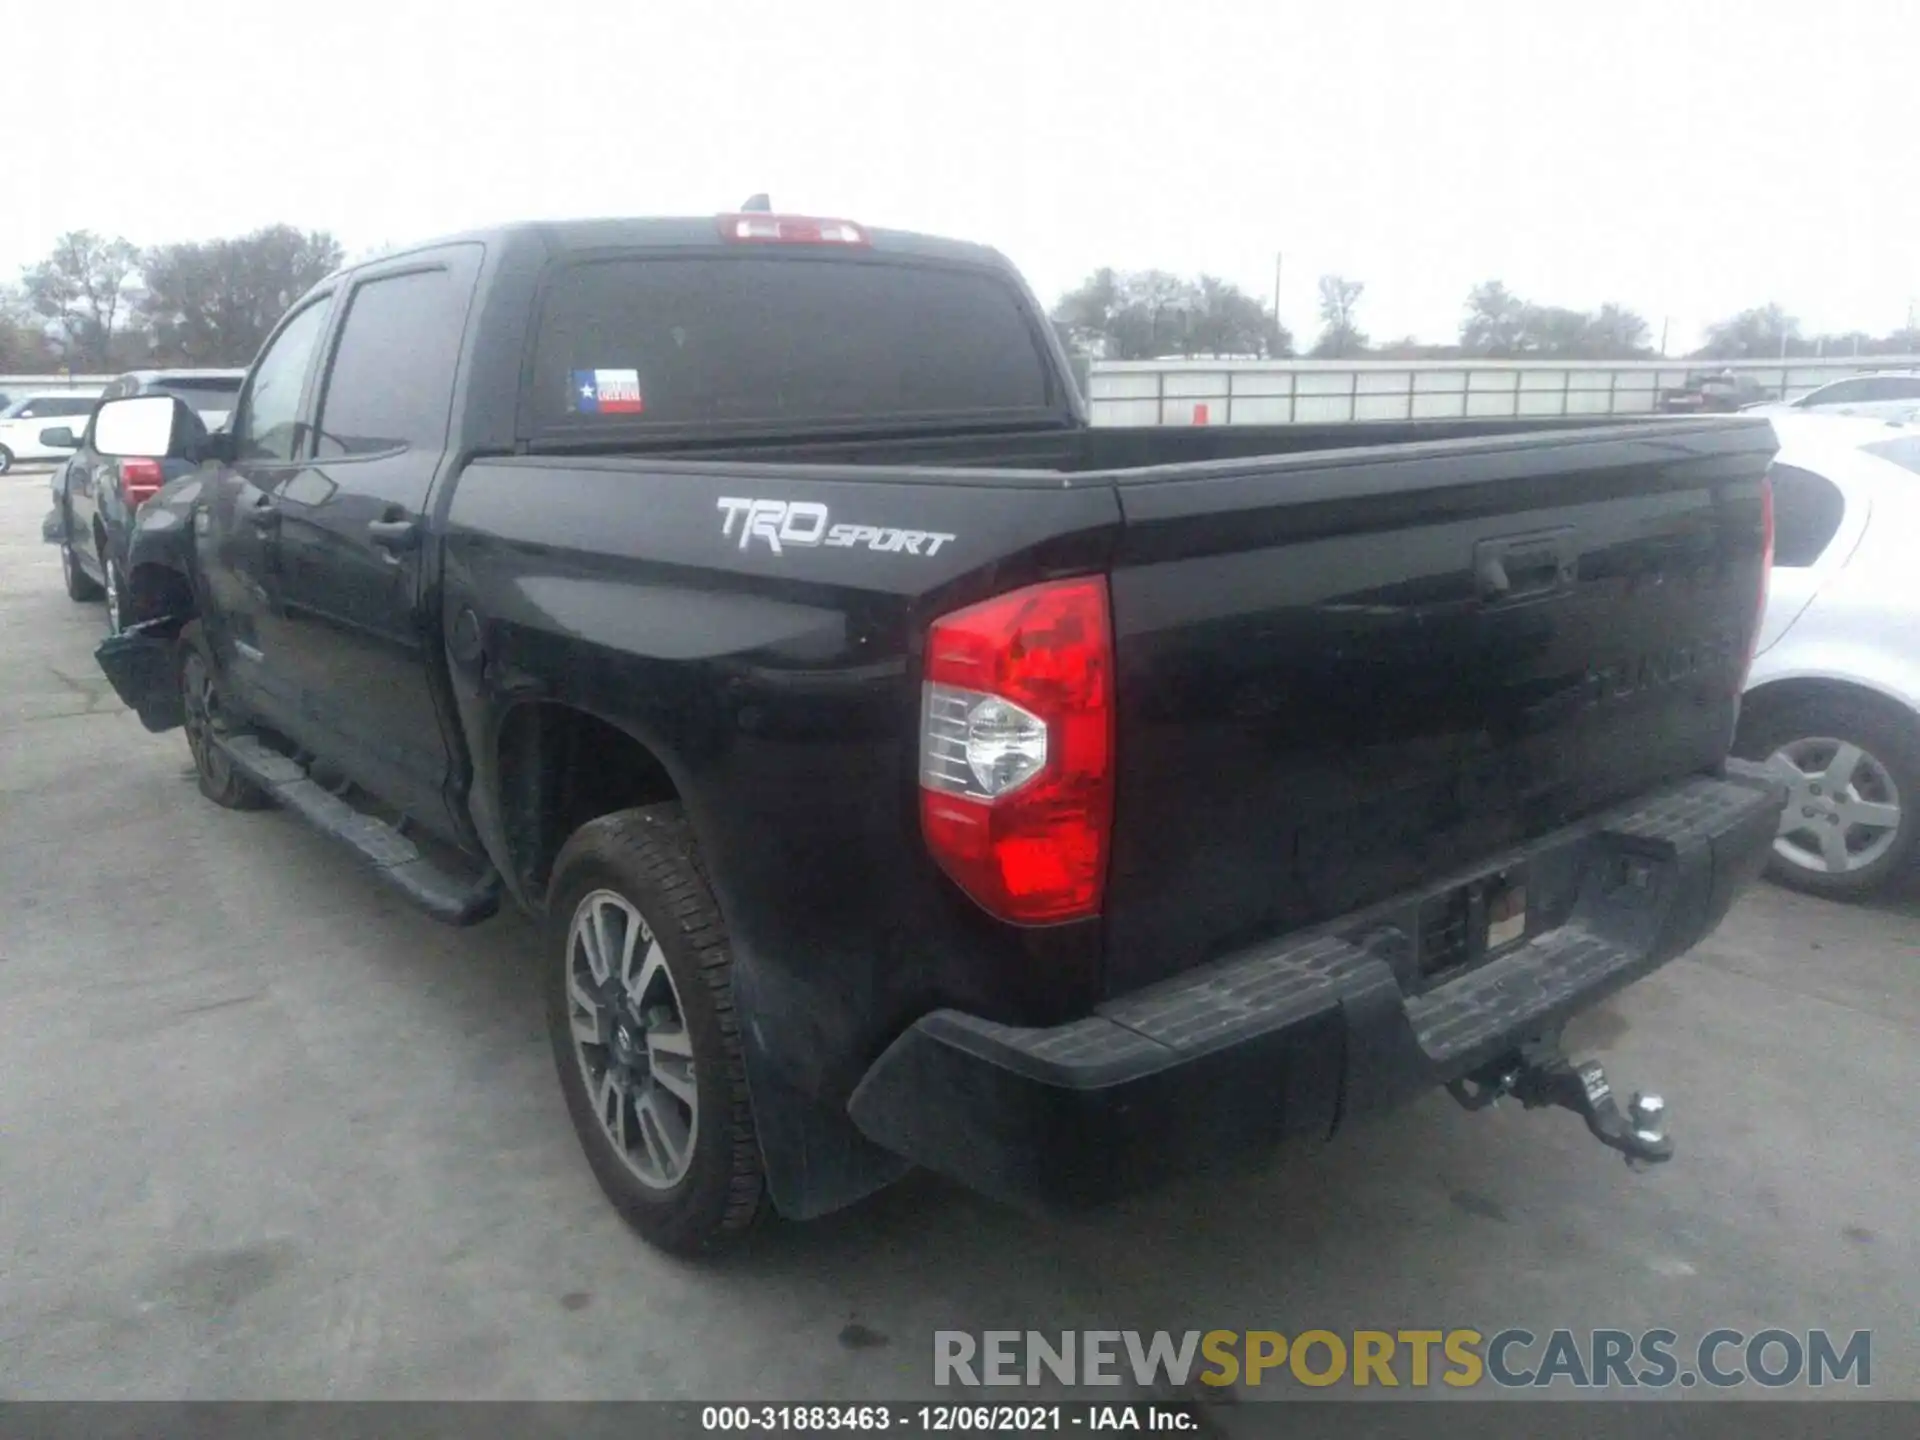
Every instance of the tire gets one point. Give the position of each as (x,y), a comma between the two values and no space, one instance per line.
(643,865)
(6,459)
(116,592)
(80,586)
(1808,732)
(219,781)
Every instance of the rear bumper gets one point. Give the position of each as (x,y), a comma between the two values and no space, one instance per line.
(1299,1036)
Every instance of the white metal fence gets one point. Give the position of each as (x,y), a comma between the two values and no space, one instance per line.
(1310,392)
(18,384)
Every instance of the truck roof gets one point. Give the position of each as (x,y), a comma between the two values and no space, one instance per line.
(562,237)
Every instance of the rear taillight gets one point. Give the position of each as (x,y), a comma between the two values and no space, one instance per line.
(140,481)
(791,230)
(1016,750)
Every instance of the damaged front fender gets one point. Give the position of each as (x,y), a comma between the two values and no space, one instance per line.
(142,664)
(142,661)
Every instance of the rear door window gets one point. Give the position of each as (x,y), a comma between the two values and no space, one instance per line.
(1807,511)
(391,383)
(1841,392)
(771,342)
(1893,387)
(203,396)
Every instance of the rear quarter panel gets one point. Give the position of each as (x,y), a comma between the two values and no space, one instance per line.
(781,693)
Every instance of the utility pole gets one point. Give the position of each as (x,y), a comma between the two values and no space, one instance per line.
(1665,320)
(1278,257)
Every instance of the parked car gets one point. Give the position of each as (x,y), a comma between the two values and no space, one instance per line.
(96,497)
(907,772)
(1833,698)
(1712,394)
(23,420)
(1883,395)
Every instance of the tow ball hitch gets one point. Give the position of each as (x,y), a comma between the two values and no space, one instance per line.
(1538,1075)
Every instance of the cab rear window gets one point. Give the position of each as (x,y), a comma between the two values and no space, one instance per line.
(203,395)
(758,341)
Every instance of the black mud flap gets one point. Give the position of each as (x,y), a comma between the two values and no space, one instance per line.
(51,530)
(142,665)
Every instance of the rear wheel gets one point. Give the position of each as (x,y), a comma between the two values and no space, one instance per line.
(6,459)
(116,589)
(640,1013)
(1852,767)
(80,585)
(206,718)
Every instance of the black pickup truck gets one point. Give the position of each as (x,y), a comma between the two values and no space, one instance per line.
(907,772)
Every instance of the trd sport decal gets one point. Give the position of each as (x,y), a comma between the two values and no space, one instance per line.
(804,523)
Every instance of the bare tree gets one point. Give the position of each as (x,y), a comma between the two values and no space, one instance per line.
(213,302)
(1340,334)
(1496,322)
(1147,313)
(23,339)
(1763,333)
(84,287)
(1500,324)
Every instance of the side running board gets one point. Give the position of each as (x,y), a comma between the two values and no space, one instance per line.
(395,859)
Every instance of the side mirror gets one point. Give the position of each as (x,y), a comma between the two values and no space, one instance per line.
(60,437)
(160,427)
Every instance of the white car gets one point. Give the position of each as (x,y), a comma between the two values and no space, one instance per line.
(1883,395)
(23,420)
(1833,698)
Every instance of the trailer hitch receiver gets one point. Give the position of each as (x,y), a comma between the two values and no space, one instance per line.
(1539,1074)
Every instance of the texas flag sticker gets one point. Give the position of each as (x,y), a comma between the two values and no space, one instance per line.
(607,392)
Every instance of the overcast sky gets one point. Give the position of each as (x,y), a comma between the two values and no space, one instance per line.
(1687,159)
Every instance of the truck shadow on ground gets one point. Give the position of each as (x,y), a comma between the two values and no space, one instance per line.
(1427,1216)
(1309,1219)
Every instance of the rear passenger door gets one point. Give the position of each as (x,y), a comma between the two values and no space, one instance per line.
(350,595)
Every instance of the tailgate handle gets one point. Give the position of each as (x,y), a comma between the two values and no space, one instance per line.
(1525,567)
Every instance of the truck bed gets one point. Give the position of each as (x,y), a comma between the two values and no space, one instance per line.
(1321,700)
(1116,451)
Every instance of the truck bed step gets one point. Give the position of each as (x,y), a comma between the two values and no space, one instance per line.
(449,898)
(1535,983)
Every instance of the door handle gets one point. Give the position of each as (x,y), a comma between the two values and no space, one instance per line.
(1524,567)
(394,535)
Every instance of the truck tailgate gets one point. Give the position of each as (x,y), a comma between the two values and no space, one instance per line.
(1343,677)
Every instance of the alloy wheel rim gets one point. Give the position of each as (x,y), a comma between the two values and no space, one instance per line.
(630,1039)
(108,569)
(201,705)
(1843,808)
